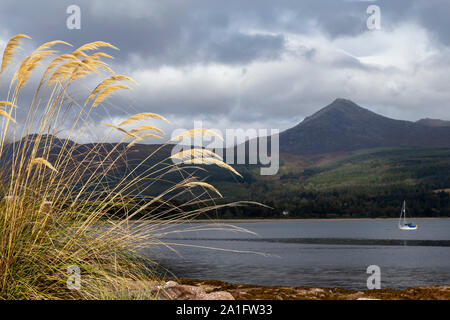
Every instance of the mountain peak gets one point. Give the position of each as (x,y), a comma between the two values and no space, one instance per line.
(344,105)
(338,109)
(344,126)
(343,101)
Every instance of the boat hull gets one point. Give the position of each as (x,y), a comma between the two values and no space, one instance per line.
(408,227)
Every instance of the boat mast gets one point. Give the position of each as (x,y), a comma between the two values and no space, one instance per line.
(404,212)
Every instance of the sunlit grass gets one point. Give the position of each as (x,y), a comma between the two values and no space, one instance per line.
(56,196)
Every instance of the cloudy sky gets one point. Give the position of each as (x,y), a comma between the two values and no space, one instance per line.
(261,64)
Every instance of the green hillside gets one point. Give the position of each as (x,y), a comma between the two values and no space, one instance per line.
(363,183)
(383,168)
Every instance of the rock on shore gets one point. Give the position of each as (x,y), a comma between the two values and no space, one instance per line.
(187,289)
(172,290)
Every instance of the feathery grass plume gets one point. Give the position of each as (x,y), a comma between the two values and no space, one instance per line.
(10,49)
(146,127)
(34,60)
(92,46)
(150,135)
(128,133)
(194,132)
(95,62)
(29,64)
(101,208)
(142,116)
(65,71)
(87,69)
(107,82)
(5,114)
(107,92)
(7,103)
(204,185)
(56,62)
(195,153)
(42,161)
(141,137)
(208,161)
(49,44)
(98,55)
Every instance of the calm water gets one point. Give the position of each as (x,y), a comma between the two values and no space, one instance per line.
(313,253)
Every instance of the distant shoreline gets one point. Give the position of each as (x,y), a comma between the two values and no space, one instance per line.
(286,220)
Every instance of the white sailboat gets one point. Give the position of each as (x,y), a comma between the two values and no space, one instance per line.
(402,224)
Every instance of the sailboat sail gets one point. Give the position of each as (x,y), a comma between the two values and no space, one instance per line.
(402,224)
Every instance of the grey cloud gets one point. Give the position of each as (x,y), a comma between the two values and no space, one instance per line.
(244,48)
(435,16)
(183,32)
(169,35)
(247,35)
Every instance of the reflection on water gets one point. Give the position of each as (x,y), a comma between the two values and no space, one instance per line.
(313,253)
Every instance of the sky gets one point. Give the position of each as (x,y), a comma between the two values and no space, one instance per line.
(253,64)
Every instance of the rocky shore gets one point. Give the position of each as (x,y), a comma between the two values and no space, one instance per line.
(187,289)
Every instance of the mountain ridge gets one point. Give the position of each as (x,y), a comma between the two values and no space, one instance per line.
(341,126)
(433,122)
(345,126)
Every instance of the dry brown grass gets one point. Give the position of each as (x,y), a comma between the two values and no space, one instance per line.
(10,49)
(56,201)
(143,116)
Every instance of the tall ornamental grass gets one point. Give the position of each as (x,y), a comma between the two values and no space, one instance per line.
(57,197)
